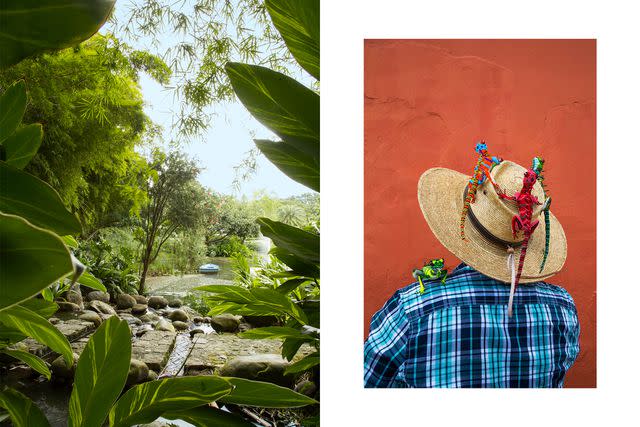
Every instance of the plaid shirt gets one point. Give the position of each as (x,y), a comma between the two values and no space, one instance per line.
(459,335)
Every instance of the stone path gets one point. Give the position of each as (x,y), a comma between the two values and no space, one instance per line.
(212,351)
(72,329)
(153,348)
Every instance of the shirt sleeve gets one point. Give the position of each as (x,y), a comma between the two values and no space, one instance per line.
(384,349)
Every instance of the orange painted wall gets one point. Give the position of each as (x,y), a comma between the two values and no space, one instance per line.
(426,103)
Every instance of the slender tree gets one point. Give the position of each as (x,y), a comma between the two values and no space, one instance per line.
(175,202)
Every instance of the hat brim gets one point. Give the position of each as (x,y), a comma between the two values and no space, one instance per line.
(440,194)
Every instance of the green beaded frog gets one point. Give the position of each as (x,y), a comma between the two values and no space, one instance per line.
(433,270)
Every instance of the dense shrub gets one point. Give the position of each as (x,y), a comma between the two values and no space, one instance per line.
(116,265)
(197,303)
(229,247)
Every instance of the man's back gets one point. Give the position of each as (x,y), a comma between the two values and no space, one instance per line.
(459,335)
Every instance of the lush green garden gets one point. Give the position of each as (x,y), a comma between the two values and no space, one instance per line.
(94,203)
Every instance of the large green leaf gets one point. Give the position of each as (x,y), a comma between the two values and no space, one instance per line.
(206,416)
(298,266)
(304,364)
(257,302)
(26,196)
(297,165)
(291,285)
(9,336)
(23,412)
(33,26)
(34,361)
(43,307)
(231,293)
(301,243)
(30,259)
(288,108)
(265,395)
(271,332)
(146,402)
(89,280)
(70,241)
(290,347)
(101,374)
(273,298)
(299,25)
(21,146)
(13,102)
(253,309)
(37,327)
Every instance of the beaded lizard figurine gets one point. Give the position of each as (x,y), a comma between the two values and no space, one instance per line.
(537,167)
(481,173)
(522,222)
(433,270)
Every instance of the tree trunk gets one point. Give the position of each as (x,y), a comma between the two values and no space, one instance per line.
(146,260)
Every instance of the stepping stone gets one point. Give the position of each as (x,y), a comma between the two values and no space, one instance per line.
(157,302)
(212,351)
(98,295)
(153,348)
(259,367)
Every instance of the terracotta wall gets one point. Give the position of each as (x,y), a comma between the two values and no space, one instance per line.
(426,103)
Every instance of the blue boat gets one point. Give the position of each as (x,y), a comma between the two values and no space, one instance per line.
(209,268)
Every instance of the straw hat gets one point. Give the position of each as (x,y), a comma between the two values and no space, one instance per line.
(441,195)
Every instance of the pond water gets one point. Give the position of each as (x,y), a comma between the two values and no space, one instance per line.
(181,285)
(51,398)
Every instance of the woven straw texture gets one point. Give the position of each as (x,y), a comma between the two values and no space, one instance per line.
(441,198)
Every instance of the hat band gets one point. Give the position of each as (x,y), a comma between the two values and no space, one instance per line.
(483,230)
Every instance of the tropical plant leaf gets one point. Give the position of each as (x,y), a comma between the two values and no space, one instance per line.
(265,395)
(302,244)
(146,402)
(13,102)
(89,280)
(272,298)
(30,259)
(303,364)
(33,325)
(206,416)
(273,332)
(9,336)
(47,294)
(298,266)
(313,421)
(40,306)
(34,361)
(288,108)
(312,310)
(231,293)
(70,241)
(299,25)
(294,163)
(101,374)
(290,347)
(290,285)
(242,309)
(27,196)
(23,412)
(22,145)
(34,26)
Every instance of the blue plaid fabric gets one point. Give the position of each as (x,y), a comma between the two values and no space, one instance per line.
(459,335)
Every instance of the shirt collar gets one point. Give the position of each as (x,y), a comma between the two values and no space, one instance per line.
(461,267)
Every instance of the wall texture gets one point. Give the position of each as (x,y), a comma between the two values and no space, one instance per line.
(426,103)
